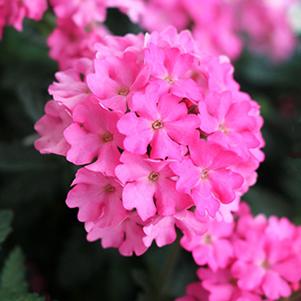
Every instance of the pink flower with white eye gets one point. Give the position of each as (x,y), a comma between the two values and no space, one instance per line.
(152,122)
(51,127)
(148,186)
(222,286)
(70,87)
(93,138)
(172,70)
(115,79)
(98,198)
(206,175)
(214,247)
(126,236)
(227,122)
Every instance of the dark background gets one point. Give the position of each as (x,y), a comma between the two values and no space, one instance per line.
(59,263)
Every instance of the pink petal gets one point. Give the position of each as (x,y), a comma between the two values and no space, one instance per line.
(140,196)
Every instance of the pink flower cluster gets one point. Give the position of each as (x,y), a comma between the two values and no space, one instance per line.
(13,12)
(213,22)
(267,26)
(219,25)
(80,26)
(253,259)
(165,136)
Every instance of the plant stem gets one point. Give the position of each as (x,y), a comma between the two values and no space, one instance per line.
(168,267)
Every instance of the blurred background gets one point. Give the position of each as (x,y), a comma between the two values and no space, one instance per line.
(59,263)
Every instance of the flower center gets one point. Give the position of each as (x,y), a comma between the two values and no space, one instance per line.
(109,188)
(107,137)
(204,174)
(223,128)
(265,265)
(124,91)
(169,79)
(208,239)
(153,176)
(157,125)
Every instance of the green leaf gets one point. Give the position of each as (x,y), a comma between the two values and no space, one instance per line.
(13,274)
(9,296)
(268,202)
(6,217)
(18,157)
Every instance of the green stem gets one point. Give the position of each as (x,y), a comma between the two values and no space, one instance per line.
(166,272)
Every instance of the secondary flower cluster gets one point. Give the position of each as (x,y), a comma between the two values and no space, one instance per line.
(219,25)
(13,12)
(79,26)
(165,136)
(253,259)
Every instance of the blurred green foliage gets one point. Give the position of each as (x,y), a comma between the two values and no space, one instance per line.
(59,263)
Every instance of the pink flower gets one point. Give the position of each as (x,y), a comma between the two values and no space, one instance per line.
(69,42)
(218,26)
(93,137)
(98,198)
(71,88)
(227,121)
(194,292)
(267,263)
(214,247)
(162,229)
(82,12)
(169,37)
(215,27)
(162,13)
(115,79)
(51,128)
(151,122)
(139,115)
(3,12)
(172,71)
(264,265)
(13,12)
(222,286)
(267,25)
(126,236)
(146,179)
(213,23)
(207,176)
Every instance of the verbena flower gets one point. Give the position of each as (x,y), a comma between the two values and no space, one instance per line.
(13,12)
(254,258)
(163,125)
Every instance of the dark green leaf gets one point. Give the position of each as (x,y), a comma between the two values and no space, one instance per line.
(6,217)
(13,273)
